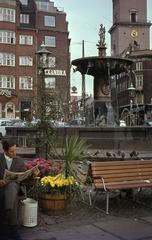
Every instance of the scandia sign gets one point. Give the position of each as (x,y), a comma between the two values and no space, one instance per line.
(54,72)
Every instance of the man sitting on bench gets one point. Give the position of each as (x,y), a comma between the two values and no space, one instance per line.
(9,191)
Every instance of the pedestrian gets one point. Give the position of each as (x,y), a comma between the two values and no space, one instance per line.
(9,191)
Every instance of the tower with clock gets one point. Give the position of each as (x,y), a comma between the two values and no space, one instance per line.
(130,25)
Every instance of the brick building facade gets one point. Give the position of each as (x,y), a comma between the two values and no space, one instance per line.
(24,25)
(130,37)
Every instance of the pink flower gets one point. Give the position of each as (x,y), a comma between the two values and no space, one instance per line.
(46,167)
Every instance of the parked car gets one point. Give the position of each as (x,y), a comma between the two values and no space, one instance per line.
(4,122)
(148,123)
(77,123)
(122,123)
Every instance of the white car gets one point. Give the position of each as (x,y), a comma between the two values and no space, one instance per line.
(122,123)
(4,122)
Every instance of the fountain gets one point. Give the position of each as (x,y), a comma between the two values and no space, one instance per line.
(102,68)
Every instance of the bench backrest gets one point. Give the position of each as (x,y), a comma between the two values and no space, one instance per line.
(118,171)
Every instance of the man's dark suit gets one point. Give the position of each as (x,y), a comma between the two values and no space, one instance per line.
(9,193)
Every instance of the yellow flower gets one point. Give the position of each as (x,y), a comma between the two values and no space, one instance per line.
(58,181)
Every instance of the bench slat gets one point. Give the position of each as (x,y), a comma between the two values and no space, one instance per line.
(119,163)
(133,172)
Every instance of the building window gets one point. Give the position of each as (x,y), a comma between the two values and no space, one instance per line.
(7,59)
(44,6)
(25,61)
(26,83)
(51,62)
(7,37)
(0,110)
(50,82)
(24,2)
(7,81)
(26,39)
(133,15)
(139,66)
(10,110)
(7,14)
(49,21)
(24,18)
(50,41)
(139,81)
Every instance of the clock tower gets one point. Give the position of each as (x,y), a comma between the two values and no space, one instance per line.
(130,26)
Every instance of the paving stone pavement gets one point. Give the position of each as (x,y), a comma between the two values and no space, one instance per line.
(128,220)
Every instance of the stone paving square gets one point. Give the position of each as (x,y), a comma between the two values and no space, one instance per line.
(128,229)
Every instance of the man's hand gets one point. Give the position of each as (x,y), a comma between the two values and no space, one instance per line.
(3,183)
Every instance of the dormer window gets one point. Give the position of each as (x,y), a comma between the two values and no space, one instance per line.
(24,2)
(133,15)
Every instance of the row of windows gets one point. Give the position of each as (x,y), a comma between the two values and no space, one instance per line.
(49,21)
(25,82)
(124,85)
(8,37)
(8,59)
(8,15)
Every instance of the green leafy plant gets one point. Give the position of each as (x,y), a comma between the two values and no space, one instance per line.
(73,150)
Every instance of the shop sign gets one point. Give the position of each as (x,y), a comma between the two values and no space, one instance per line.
(54,72)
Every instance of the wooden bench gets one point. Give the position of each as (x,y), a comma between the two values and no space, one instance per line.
(120,175)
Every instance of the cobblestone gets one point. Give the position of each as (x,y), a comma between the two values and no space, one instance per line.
(128,220)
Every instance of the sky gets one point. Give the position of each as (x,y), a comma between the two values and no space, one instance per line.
(84,18)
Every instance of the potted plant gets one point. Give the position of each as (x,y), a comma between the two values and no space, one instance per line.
(46,168)
(54,190)
(56,185)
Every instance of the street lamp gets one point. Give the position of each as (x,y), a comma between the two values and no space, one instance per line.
(132,93)
(43,57)
(44,126)
(43,54)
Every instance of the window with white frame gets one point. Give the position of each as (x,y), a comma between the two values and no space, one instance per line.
(133,15)
(26,82)
(7,59)
(7,14)
(10,110)
(24,2)
(49,21)
(139,80)
(50,41)
(50,82)
(7,81)
(44,6)
(26,39)
(139,66)
(25,61)
(24,18)
(7,37)
(0,110)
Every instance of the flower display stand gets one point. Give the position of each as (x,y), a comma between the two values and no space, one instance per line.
(53,201)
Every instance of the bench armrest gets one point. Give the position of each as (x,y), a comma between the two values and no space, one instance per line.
(103,182)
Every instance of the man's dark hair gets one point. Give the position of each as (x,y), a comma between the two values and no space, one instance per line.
(7,143)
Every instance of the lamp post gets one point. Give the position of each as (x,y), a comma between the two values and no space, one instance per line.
(44,127)
(43,55)
(132,93)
